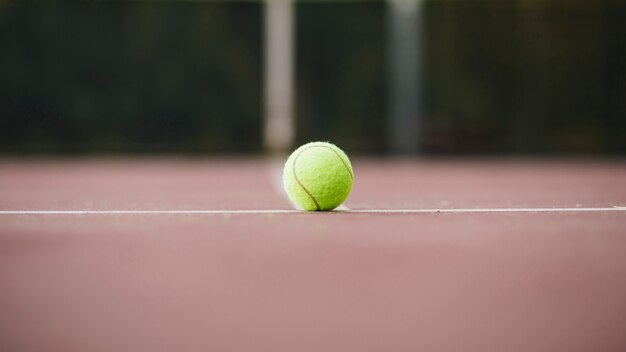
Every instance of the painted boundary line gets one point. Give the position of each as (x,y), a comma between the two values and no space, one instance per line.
(279,211)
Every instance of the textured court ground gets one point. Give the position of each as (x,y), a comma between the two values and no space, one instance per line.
(341,281)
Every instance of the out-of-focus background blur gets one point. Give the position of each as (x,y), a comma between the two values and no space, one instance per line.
(380,77)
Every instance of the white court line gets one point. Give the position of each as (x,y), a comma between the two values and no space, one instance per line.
(491,210)
(279,211)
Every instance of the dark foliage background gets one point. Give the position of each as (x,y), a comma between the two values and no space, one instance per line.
(499,77)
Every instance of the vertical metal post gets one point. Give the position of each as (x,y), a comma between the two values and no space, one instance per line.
(404,65)
(279,129)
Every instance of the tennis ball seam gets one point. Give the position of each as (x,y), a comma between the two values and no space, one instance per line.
(317,205)
(340,158)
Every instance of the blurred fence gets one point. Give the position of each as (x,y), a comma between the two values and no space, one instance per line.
(495,76)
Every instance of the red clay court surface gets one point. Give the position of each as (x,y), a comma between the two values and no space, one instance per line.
(343,281)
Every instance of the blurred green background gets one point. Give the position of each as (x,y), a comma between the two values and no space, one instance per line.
(497,77)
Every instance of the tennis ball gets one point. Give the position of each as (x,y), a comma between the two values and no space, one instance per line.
(318,176)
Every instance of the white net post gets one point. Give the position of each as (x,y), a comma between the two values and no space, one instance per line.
(279,124)
(404,65)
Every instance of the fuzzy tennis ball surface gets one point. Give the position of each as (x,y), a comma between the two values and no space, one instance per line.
(318,176)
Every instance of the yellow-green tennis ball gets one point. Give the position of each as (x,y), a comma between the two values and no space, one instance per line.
(318,176)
